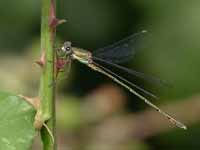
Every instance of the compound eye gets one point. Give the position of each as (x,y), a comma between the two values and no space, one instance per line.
(68,48)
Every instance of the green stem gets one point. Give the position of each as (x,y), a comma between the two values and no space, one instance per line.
(47,92)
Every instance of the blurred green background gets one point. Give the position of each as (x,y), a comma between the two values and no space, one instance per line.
(93,113)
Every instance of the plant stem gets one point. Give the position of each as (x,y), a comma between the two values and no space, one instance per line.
(47,92)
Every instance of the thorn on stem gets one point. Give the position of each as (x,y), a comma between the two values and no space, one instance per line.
(61,21)
(54,22)
(35,102)
(38,122)
(41,61)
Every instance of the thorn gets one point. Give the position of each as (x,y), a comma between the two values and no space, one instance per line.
(61,21)
(38,122)
(55,22)
(35,102)
(41,61)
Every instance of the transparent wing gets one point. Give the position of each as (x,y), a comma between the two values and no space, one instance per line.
(120,51)
(133,72)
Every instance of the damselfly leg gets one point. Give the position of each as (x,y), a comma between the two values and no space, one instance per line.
(65,69)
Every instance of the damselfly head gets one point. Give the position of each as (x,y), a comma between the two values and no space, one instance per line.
(65,50)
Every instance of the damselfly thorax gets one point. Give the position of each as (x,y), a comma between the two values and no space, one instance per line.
(81,55)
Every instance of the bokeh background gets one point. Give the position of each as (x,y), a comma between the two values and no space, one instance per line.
(94,113)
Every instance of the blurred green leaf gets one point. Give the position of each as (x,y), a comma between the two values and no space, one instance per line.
(16,128)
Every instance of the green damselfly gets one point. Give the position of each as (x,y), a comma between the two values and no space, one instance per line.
(111,55)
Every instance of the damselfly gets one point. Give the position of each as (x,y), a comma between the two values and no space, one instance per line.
(111,55)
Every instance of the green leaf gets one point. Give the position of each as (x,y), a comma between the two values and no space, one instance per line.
(16,123)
